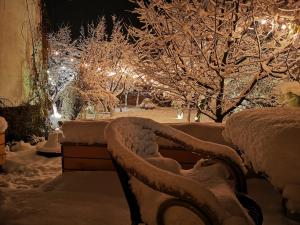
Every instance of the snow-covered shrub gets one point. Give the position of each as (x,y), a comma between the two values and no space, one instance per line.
(25,121)
(290,93)
(147,104)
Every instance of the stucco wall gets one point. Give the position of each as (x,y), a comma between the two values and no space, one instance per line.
(19,23)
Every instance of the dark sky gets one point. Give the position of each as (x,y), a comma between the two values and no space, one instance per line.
(80,12)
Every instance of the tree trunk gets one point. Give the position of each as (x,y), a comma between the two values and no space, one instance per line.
(189,112)
(137,99)
(126,99)
(198,115)
(120,105)
(219,118)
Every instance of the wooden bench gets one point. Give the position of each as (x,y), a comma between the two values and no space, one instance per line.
(85,157)
(94,156)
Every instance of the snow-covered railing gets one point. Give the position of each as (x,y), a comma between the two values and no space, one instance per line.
(130,140)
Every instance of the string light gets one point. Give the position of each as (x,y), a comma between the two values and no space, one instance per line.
(283,26)
(111,74)
(263,21)
(56,53)
(71,59)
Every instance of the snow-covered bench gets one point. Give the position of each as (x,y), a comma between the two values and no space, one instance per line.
(270,141)
(84,145)
(160,192)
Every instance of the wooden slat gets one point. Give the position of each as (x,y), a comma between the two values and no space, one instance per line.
(85,151)
(86,164)
(96,157)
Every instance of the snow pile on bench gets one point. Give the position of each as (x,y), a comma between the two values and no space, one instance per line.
(3,125)
(270,140)
(84,131)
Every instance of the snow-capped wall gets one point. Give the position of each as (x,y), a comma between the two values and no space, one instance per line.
(92,132)
(84,132)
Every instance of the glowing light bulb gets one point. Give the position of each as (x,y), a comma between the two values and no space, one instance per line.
(71,59)
(263,21)
(111,74)
(55,113)
(56,53)
(283,26)
(48,71)
(86,65)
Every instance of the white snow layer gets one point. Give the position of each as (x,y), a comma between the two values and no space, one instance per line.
(84,131)
(92,132)
(270,139)
(24,169)
(3,124)
(52,145)
(290,87)
(205,131)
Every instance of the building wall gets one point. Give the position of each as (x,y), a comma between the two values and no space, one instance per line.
(19,25)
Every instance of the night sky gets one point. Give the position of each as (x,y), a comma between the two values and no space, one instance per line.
(80,12)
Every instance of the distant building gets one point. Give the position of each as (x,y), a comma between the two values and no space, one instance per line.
(20,36)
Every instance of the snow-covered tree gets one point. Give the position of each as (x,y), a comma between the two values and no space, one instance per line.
(63,61)
(104,71)
(217,54)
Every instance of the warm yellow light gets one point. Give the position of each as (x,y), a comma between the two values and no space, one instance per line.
(56,53)
(283,26)
(263,21)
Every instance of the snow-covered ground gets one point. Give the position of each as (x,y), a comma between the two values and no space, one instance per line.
(162,115)
(35,192)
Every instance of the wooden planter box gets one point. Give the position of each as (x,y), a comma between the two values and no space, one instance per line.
(96,157)
(2,149)
(85,157)
(80,156)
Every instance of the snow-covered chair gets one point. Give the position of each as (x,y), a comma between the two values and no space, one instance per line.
(159,192)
